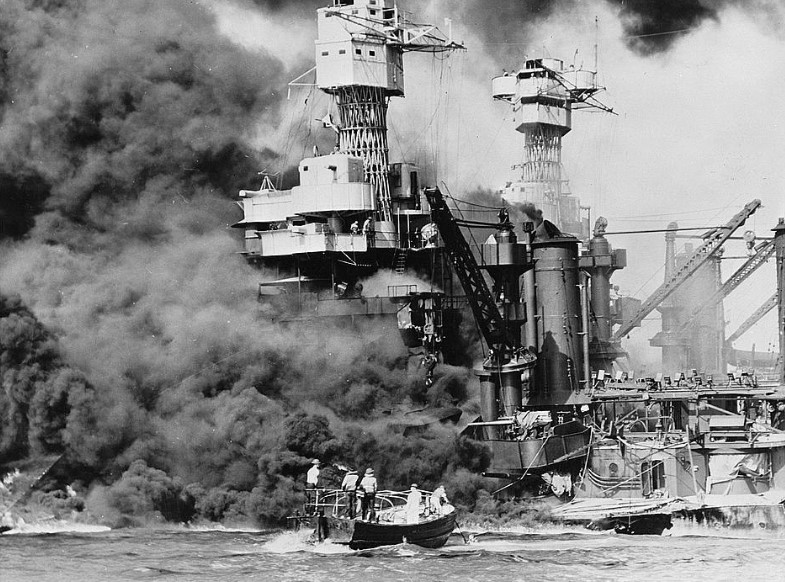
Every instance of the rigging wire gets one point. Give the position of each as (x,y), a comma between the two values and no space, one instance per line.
(668,214)
(461,201)
(651,230)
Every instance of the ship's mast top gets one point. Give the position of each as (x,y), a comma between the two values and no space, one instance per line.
(359,61)
(361,42)
(543,94)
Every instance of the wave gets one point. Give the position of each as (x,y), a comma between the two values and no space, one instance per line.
(54,526)
(300,541)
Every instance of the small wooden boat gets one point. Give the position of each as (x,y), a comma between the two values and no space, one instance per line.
(624,516)
(328,518)
(428,532)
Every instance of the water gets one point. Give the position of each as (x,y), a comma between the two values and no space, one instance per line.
(50,553)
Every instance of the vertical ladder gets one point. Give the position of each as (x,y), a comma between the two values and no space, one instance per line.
(400,260)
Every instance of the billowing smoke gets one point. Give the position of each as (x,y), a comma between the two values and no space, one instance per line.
(649,27)
(653,27)
(138,348)
(125,134)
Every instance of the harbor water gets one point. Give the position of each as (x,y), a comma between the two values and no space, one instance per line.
(48,553)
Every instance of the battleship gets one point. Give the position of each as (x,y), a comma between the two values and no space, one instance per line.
(561,408)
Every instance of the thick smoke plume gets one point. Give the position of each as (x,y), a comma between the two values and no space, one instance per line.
(124,134)
(137,348)
(650,27)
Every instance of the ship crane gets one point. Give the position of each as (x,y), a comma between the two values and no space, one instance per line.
(504,348)
(509,366)
(763,254)
(714,240)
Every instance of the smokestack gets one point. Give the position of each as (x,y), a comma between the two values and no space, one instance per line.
(672,343)
(600,262)
(559,355)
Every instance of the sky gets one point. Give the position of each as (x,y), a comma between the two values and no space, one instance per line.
(696,131)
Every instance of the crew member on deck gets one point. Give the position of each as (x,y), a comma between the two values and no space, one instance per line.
(369,486)
(312,477)
(312,484)
(413,501)
(438,499)
(349,485)
(368,230)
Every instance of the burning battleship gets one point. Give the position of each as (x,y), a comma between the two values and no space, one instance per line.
(559,406)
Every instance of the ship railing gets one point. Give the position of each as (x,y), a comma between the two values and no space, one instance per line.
(401,290)
(335,502)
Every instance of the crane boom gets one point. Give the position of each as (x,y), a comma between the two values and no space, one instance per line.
(486,313)
(714,240)
(747,269)
(770,304)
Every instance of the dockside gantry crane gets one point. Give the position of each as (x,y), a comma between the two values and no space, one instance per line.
(763,254)
(757,315)
(714,240)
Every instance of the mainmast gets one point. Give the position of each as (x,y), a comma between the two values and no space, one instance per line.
(543,95)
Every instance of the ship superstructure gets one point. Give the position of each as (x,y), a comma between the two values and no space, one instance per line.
(354,214)
(543,95)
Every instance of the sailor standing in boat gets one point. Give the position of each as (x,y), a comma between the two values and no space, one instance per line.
(369,486)
(349,485)
(312,483)
(413,501)
(438,498)
(312,477)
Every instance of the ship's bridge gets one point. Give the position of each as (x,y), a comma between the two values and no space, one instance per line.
(311,217)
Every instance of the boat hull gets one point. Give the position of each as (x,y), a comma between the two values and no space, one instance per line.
(432,533)
(361,535)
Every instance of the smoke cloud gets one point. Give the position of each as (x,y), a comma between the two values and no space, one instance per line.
(649,28)
(137,348)
(126,129)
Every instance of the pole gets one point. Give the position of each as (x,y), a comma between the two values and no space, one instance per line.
(585,325)
(779,249)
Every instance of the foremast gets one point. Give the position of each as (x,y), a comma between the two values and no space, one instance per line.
(359,60)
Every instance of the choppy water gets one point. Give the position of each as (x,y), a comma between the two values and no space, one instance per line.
(48,553)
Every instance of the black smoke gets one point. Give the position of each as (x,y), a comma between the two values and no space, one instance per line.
(654,27)
(109,104)
(650,27)
(138,350)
